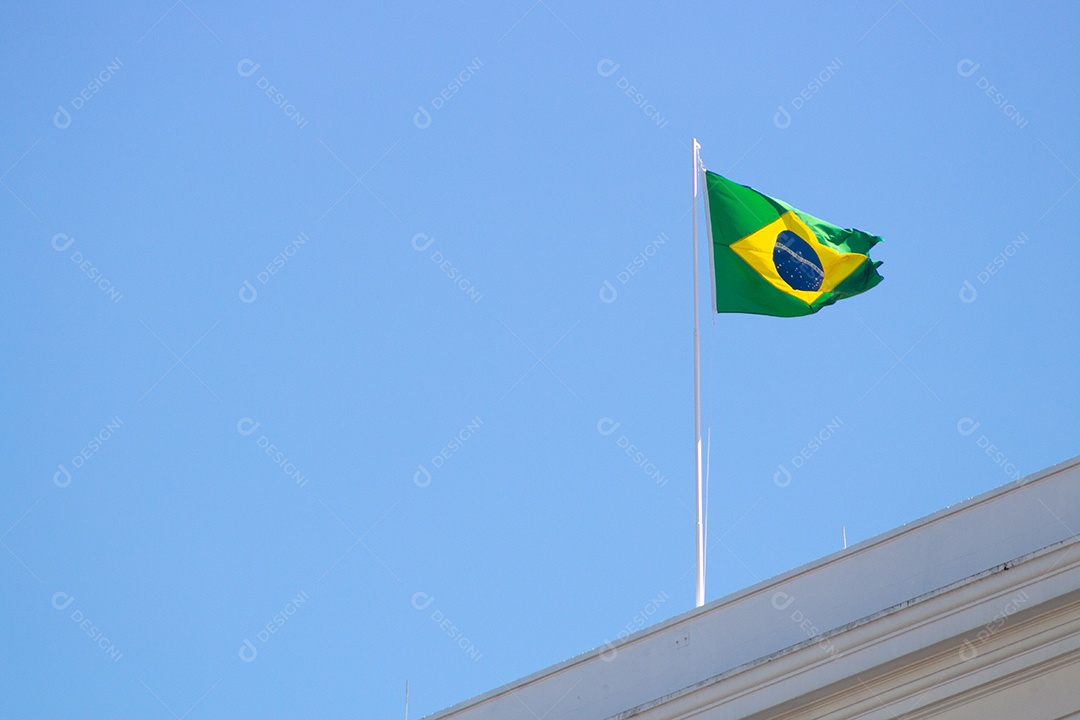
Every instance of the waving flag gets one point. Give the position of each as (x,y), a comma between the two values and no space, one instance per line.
(771,259)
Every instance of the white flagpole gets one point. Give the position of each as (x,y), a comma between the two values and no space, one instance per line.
(700,598)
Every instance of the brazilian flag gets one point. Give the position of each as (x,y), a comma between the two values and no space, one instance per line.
(771,259)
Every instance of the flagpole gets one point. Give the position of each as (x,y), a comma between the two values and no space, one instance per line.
(700,597)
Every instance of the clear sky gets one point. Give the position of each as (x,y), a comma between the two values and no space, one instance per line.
(321,320)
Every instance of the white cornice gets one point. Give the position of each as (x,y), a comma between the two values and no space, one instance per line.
(905,651)
(924,564)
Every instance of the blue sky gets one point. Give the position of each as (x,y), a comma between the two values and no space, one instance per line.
(315,377)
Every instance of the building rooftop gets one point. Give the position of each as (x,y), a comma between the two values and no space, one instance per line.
(916,612)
